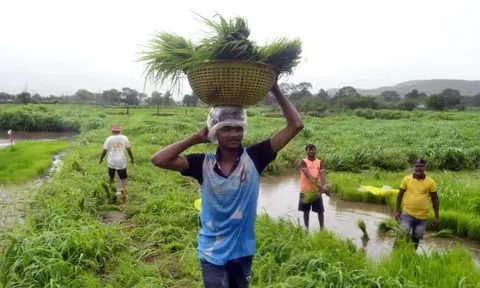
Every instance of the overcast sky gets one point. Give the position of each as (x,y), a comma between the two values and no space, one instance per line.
(58,47)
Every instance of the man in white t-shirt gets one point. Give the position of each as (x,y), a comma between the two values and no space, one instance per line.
(115,145)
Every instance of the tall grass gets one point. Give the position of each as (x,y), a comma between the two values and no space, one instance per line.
(27,160)
(35,121)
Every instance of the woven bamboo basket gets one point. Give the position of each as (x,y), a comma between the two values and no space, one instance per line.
(231,83)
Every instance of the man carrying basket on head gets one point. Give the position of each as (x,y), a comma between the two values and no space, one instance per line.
(229,182)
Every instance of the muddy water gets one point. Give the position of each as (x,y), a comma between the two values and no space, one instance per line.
(38,136)
(15,200)
(279,198)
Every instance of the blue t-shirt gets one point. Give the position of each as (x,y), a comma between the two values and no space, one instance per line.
(229,202)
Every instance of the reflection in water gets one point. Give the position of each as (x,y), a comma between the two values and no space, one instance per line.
(38,136)
(279,198)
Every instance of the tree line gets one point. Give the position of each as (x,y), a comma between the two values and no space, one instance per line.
(126,96)
(300,94)
(348,98)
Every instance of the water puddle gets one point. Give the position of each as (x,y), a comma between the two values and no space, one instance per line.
(279,198)
(15,200)
(34,136)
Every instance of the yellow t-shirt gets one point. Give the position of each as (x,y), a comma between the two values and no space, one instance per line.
(416,200)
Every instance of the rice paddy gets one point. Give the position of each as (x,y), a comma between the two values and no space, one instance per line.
(27,160)
(70,240)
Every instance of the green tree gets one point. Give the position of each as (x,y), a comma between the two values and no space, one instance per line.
(310,104)
(452,97)
(347,91)
(355,102)
(408,104)
(167,99)
(36,98)
(24,98)
(5,97)
(83,96)
(190,100)
(111,96)
(436,102)
(391,96)
(142,97)
(157,100)
(323,95)
(476,100)
(415,95)
(129,96)
(296,92)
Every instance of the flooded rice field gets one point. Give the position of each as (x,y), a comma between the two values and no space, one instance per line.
(15,199)
(34,136)
(279,198)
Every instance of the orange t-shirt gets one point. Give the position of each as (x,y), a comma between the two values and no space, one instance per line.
(314,169)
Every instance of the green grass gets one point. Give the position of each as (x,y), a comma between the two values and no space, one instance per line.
(66,243)
(27,160)
(362,226)
(387,225)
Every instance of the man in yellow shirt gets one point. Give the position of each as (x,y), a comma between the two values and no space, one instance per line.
(416,191)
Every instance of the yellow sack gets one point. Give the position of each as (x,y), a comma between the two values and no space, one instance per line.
(198,204)
(385,190)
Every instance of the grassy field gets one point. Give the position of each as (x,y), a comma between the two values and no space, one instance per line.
(27,160)
(78,236)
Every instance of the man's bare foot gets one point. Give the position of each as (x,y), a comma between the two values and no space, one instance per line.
(124,196)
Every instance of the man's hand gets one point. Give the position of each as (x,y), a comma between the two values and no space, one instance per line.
(320,189)
(132,161)
(202,136)
(435,222)
(100,162)
(169,157)
(396,215)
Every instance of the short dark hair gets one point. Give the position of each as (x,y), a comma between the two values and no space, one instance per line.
(310,146)
(420,161)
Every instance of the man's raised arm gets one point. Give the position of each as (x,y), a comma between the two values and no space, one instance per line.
(170,158)
(294,121)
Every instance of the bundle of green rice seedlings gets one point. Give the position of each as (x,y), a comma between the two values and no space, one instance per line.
(444,233)
(387,225)
(361,224)
(283,54)
(228,40)
(310,197)
(168,56)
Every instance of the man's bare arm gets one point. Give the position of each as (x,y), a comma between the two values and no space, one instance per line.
(304,169)
(129,150)
(104,152)
(436,206)
(294,121)
(321,179)
(398,205)
(170,158)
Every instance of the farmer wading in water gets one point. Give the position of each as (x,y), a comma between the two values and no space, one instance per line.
(229,182)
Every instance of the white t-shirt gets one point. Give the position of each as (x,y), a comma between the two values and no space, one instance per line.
(116,145)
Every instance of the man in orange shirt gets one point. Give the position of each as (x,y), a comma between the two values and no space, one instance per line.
(416,192)
(312,179)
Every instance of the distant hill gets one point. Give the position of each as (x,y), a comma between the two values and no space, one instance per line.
(434,86)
